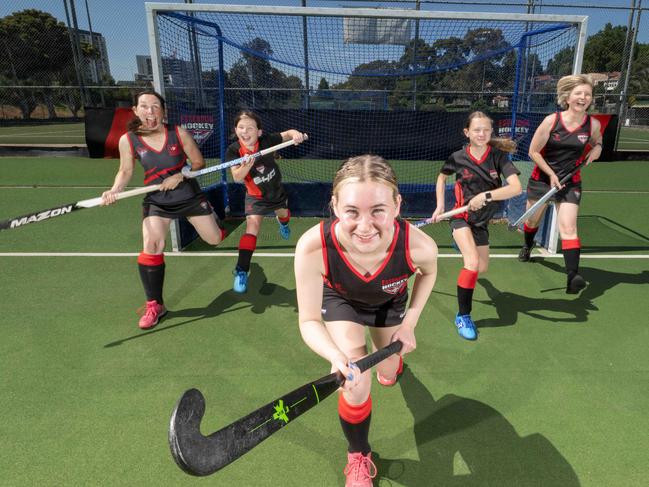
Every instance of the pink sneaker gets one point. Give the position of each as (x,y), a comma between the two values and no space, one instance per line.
(360,470)
(390,382)
(151,314)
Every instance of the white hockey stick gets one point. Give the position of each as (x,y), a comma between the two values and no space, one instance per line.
(443,216)
(188,173)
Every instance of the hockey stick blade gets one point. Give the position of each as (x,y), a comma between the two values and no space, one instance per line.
(443,216)
(202,455)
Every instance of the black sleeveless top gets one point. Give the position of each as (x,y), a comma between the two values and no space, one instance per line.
(159,165)
(564,149)
(390,281)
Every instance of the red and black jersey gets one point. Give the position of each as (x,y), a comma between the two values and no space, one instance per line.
(474,176)
(564,149)
(389,282)
(264,181)
(159,165)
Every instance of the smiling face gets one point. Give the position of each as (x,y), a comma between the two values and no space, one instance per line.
(366,211)
(479,132)
(150,111)
(247,132)
(580,98)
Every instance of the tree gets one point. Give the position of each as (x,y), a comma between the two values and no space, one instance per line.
(604,50)
(34,50)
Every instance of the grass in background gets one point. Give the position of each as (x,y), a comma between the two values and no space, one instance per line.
(51,133)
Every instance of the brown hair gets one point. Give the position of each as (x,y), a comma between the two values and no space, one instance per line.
(501,143)
(135,124)
(363,168)
(247,114)
(569,83)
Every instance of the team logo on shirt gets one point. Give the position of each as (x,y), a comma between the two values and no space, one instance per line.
(466,174)
(396,285)
(141,151)
(556,137)
(261,169)
(583,138)
(173,150)
(264,179)
(493,174)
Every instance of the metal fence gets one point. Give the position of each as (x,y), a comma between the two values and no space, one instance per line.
(54,64)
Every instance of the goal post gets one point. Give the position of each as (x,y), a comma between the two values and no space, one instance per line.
(398,83)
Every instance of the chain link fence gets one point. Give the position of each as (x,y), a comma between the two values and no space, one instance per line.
(54,65)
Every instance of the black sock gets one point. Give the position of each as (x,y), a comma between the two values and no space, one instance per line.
(529,237)
(464,300)
(571,259)
(243,263)
(152,277)
(357,435)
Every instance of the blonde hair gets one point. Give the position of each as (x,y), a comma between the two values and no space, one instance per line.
(569,83)
(365,168)
(501,143)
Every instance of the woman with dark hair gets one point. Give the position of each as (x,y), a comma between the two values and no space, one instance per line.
(163,151)
(263,181)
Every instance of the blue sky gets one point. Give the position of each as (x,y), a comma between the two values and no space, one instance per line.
(123,24)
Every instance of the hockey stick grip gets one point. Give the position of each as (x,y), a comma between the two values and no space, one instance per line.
(378,356)
(372,359)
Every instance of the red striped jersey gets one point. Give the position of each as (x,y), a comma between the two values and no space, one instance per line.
(474,176)
(564,149)
(389,281)
(264,181)
(160,164)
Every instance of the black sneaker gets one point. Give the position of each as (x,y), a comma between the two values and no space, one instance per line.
(525,254)
(576,284)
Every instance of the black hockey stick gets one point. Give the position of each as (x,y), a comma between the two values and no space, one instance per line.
(39,216)
(203,455)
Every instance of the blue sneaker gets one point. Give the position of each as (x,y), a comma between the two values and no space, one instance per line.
(465,327)
(240,281)
(284,230)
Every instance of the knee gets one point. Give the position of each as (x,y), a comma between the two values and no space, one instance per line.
(213,239)
(472,262)
(153,245)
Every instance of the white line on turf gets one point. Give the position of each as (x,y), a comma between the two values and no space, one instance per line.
(278,254)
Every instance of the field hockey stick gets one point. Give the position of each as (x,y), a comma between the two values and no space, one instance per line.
(532,209)
(39,216)
(203,455)
(188,173)
(443,216)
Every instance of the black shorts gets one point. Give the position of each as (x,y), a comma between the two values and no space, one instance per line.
(197,206)
(256,206)
(480,234)
(337,308)
(570,193)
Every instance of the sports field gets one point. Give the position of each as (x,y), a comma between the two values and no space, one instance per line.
(554,392)
(631,139)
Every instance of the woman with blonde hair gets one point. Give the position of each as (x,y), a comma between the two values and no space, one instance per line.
(561,144)
(351,274)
